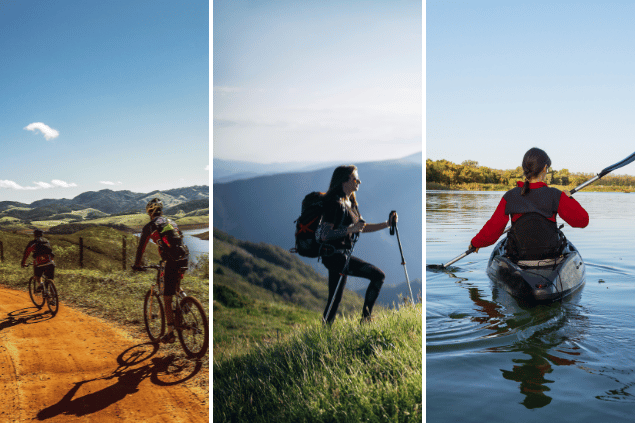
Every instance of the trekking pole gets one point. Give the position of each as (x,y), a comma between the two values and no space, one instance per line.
(342,274)
(393,230)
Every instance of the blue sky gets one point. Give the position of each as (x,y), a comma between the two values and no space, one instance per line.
(317,80)
(503,77)
(101,95)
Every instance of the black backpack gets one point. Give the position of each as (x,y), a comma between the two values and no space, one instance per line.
(42,247)
(305,226)
(534,237)
(170,239)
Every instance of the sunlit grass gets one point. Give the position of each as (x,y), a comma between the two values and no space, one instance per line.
(342,373)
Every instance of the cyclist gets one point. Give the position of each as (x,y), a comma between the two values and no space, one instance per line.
(174,253)
(43,262)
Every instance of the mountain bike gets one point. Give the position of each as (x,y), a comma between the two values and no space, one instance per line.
(190,320)
(45,292)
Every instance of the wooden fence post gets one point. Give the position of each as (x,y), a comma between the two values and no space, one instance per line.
(123,253)
(81,252)
(1,251)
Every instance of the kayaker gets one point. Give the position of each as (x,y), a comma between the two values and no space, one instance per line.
(533,206)
(342,219)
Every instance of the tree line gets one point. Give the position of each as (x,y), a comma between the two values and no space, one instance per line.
(447,173)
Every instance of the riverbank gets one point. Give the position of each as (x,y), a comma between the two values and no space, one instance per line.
(430,186)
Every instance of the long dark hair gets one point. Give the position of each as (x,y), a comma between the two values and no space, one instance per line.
(533,163)
(341,174)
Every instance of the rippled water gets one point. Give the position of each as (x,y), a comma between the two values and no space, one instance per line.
(489,358)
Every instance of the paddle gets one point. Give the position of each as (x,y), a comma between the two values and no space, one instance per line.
(604,172)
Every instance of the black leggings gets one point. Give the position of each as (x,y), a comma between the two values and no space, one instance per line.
(358,268)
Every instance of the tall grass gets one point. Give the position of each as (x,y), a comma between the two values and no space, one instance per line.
(342,373)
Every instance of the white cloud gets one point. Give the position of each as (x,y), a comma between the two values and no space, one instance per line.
(63,184)
(110,183)
(48,132)
(56,183)
(44,185)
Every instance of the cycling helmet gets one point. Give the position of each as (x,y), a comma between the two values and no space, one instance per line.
(38,233)
(155,206)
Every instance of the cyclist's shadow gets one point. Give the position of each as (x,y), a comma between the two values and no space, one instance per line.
(25,316)
(165,371)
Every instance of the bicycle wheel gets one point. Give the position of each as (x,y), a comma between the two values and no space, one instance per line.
(154,316)
(36,297)
(51,297)
(192,327)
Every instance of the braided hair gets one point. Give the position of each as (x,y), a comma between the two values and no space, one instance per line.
(533,163)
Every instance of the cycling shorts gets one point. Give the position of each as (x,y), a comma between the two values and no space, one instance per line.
(174,271)
(48,270)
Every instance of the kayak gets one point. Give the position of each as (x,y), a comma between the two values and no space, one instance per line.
(541,281)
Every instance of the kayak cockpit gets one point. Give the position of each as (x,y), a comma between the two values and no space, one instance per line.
(538,280)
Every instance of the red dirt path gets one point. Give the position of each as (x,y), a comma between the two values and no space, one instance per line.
(74,367)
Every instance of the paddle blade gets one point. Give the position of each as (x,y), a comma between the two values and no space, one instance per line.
(624,162)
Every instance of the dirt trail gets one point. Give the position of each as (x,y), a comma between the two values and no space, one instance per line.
(75,367)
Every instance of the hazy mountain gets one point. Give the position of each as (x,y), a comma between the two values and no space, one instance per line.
(263,209)
(106,201)
(390,295)
(231,170)
(415,158)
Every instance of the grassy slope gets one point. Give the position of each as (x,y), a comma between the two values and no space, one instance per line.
(262,292)
(347,372)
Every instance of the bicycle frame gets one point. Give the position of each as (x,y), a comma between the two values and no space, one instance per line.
(160,283)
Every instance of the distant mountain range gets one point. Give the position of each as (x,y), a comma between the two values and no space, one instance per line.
(264,208)
(232,170)
(107,202)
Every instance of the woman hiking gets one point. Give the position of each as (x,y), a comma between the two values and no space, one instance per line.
(341,219)
(533,206)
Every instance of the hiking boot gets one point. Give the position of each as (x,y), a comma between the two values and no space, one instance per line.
(168,338)
(366,319)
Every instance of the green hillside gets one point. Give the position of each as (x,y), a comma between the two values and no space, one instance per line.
(343,373)
(102,248)
(262,291)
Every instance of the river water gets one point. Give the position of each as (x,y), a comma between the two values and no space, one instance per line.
(195,245)
(490,359)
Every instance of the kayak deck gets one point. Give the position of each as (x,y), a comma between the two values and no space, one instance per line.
(538,280)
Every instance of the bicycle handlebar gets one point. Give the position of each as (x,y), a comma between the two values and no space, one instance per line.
(153,266)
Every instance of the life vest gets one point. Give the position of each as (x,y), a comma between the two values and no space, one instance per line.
(534,237)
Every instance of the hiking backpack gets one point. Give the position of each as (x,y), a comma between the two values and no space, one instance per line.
(305,226)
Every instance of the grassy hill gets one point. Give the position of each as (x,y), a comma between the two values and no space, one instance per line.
(188,205)
(262,291)
(102,248)
(343,373)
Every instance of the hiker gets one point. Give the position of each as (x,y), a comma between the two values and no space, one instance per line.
(43,263)
(533,206)
(340,221)
(169,240)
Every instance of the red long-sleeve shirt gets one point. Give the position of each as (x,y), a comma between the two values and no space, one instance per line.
(568,208)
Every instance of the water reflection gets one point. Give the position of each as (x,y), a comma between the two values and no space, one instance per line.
(553,329)
(547,334)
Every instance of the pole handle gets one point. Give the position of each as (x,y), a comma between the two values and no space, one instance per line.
(392,222)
